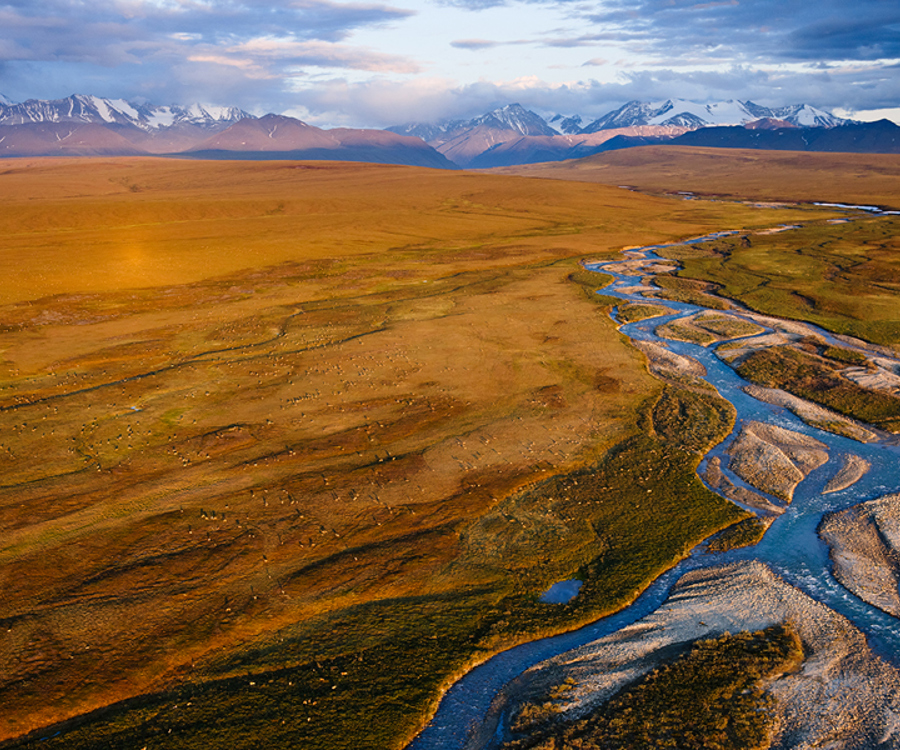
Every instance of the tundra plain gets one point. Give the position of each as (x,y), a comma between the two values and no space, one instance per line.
(286,447)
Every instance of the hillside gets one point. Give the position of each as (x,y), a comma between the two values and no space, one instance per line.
(739,174)
(93,126)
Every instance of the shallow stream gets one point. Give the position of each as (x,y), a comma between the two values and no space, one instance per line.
(791,547)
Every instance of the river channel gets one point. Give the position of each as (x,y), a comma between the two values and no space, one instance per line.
(791,547)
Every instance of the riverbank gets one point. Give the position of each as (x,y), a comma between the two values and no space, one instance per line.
(842,695)
(785,448)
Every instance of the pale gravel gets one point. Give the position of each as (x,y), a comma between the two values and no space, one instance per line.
(751,345)
(865,550)
(663,361)
(716,479)
(843,697)
(639,266)
(877,379)
(640,289)
(812,414)
(696,323)
(852,470)
(773,459)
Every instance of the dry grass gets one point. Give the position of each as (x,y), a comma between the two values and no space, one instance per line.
(239,398)
(124,223)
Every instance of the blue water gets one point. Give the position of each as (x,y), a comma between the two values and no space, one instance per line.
(562,592)
(791,546)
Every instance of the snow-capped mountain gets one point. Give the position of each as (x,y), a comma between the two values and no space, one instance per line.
(512,117)
(693,115)
(5,100)
(516,118)
(462,140)
(513,130)
(94,109)
(94,126)
(564,125)
(805,116)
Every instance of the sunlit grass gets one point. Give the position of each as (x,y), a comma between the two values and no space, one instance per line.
(261,422)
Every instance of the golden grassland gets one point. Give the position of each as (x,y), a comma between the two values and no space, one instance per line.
(108,225)
(286,446)
(872,179)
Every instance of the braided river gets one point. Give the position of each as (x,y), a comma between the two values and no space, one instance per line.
(791,546)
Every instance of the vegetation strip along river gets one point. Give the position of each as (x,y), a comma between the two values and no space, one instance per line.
(791,546)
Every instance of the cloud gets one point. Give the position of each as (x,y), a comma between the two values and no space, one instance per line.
(356,63)
(321,54)
(381,103)
(475,5)
(480,44)
(147,41)
(762,30)
(474,44)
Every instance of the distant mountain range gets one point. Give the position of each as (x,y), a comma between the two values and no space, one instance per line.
(462,141)
(682,113)
(93,126)
(507,136)
(514,135)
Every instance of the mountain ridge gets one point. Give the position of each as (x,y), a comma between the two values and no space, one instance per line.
(95,109)
(514,135)
(82,125)
(87,125)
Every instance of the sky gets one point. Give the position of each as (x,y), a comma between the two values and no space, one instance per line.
(374,64)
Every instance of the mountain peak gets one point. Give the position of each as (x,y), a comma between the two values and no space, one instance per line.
(682,112)
(515,117)
(566,125)
(85,108)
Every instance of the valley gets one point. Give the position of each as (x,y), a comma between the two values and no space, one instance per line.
(793,465)
(315,437)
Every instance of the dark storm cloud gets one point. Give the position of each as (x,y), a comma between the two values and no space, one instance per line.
(774,30)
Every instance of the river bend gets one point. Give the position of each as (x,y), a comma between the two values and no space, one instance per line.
(791,547)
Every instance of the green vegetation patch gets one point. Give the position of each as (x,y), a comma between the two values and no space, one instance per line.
(712,698)
(845,355)
(812,378)
(362,678)
(591,282)
(342,682)
(634,312)
(842,277)
(690,291)
(706,329)
(724,326)
(681,331)
(697,420)
(744,533)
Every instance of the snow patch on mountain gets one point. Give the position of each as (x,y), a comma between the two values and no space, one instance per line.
(512,117)
(566,125)
(515,117)
(695,115)
(96,109)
